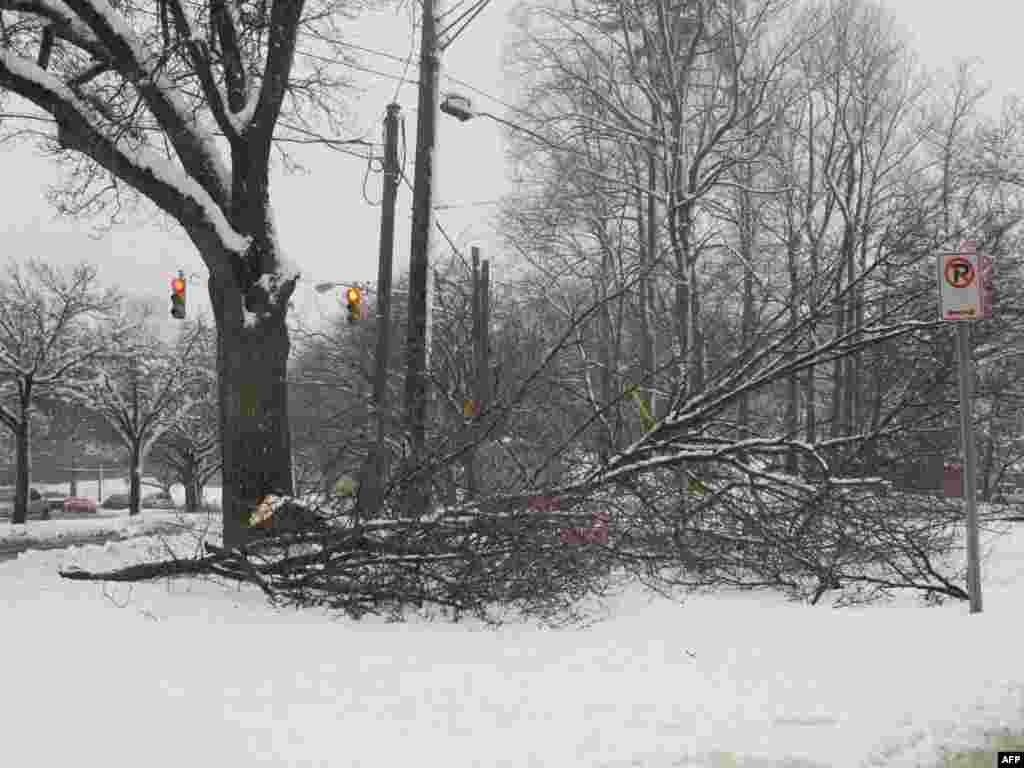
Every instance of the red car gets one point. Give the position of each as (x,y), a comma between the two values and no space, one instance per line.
(79,505)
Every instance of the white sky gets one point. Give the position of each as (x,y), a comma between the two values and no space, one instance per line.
(324,222)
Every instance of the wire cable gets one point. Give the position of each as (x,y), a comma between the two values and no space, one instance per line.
(366,175)
(412,50)
(457,81)
(473,12)
(442,230)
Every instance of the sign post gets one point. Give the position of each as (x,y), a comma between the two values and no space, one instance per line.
(965,290)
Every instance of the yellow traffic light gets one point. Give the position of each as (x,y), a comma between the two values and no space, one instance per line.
(354,304)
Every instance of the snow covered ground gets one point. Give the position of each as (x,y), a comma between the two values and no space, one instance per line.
(202,674)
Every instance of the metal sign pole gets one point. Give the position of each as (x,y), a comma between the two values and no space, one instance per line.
(970,459)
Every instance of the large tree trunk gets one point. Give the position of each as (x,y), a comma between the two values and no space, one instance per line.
(252,365)
(22,469)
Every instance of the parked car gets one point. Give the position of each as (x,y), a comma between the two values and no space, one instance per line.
(159,500)
(79,505)
(37,505)
(116,501)
(54,501)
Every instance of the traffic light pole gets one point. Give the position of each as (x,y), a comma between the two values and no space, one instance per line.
(371,489)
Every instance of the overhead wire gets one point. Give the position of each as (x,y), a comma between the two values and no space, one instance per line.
(445,75)
(442,230)
(472,12)
(412,50)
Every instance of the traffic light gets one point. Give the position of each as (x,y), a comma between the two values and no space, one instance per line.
(178,298)
(355,299)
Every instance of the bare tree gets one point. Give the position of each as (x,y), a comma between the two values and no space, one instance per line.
(189,451)
(143,389)
(50,335)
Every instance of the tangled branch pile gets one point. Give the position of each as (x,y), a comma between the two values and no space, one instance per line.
(751,529)
(470,562)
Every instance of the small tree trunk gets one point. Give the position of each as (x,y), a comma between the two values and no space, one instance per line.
(23,469)
(191,497)
(696,335)
(648,245)
(988,459)
(135,480)
(792,382)
(74,475)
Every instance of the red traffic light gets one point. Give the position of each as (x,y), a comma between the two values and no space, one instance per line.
(178,298)
(353,296)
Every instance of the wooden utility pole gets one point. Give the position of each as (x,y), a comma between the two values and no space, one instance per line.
(371,489)
(477,393)
(483,371)
(417,382)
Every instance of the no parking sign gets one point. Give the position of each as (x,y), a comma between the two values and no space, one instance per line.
(965,284)
(965,294)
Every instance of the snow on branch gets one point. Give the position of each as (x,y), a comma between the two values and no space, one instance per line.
(63,22)
(171,188)
(195,146)
(284,27)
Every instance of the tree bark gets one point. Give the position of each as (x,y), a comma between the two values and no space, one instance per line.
(135,479)
(988,460)
(810,382)
(696,334)
(648,250)
(191,495)
(252,365)
(21,462)
(792,382)
(746,239)
(74,475)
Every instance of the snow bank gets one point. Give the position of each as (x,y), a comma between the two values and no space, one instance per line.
(87,525)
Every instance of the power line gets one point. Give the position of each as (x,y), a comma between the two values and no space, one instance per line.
(472,12)
(401,80)
(443,231)
(400,60)
(412,50)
